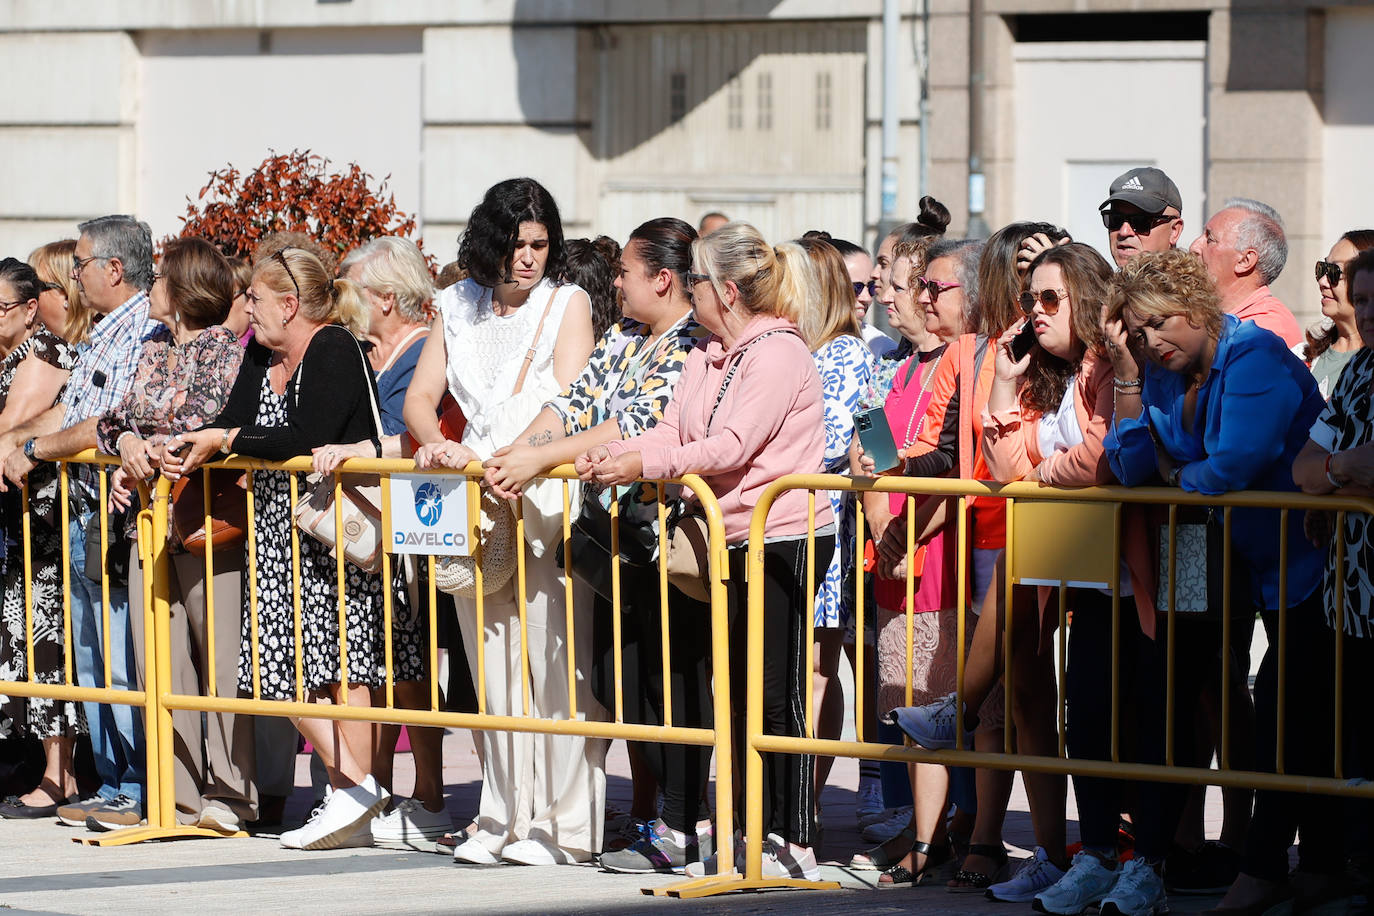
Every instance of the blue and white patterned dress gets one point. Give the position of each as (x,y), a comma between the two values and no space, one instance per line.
(845,364)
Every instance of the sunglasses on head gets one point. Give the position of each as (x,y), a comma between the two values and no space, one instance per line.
(871,286)
(1049,300)
(1330,270)
(281,256)
(1141,223)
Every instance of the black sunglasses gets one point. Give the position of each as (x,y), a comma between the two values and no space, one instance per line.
(1330,270)
(871,286)
(1141,223)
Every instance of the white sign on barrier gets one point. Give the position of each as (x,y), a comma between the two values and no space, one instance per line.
(429,514)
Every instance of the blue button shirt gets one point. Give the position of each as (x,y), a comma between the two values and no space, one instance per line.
(1254,411)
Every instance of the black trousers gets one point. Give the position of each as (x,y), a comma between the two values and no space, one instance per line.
(1309,741)
(789,803)
(1143,705)
(681,770)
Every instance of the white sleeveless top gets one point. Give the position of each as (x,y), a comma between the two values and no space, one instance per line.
(486,351)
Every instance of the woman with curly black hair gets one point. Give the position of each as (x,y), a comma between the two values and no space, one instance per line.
(513,338)
(593,265)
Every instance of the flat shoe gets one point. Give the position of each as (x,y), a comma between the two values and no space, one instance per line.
(13,809)
(475,852)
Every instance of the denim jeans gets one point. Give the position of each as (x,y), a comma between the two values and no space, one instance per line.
(116,730)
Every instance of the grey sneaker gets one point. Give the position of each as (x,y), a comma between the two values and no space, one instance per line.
(1034,875)
(658,852)
(75,814)
(121,811)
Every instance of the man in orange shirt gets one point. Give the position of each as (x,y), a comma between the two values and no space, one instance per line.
(1244,248)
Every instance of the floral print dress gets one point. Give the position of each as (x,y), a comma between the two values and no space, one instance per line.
(37,716)
(846,365)
(276,612)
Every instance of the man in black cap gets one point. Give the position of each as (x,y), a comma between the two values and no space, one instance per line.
(1143,212)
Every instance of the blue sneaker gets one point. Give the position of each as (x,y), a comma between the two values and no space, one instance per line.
(1086,883)
(932,725)
(1138,892)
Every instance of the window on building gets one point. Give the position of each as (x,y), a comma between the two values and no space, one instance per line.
(677,97)
(765,85)
(823,101)
(734,103)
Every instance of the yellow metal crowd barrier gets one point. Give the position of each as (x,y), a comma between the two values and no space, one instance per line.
(1064,535)
(1086,529)
(159,701)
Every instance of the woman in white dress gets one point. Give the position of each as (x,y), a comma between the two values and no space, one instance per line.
(542,795)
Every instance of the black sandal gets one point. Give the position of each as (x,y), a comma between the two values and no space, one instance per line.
(973,882)
(936,856)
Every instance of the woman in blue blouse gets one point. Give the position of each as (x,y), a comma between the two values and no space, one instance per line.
(1219,405)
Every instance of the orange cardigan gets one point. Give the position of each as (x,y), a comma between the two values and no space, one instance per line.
(1011,448)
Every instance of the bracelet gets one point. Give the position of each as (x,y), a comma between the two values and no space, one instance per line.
(377,444)
(224,442)
(1329,476)
(1134,385)
(1174,475)
(120,438)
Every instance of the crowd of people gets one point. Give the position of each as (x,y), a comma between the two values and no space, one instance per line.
(1025,357)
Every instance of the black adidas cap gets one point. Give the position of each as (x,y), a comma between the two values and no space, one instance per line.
(1148,188)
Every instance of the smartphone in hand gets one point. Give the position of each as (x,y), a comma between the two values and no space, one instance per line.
(876,438)
(1021,344)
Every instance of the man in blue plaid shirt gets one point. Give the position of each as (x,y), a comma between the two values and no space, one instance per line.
(113,265)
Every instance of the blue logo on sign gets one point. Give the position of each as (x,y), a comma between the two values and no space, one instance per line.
(429,503)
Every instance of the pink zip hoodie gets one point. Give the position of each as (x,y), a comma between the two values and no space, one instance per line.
(770,423)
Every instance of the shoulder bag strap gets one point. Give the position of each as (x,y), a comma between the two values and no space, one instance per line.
(534,344)
(730,374)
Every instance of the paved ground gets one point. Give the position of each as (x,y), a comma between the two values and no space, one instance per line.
(43,871)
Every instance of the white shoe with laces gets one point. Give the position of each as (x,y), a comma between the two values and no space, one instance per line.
(1036,874)
(1138,892)
(346,814)
(786,860)
(1086,884)
(410,825)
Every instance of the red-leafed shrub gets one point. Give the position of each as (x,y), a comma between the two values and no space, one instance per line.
(296,192)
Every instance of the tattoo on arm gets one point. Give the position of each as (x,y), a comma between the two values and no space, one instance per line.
(543,437)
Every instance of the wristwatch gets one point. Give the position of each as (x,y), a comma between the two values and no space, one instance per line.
(28,448)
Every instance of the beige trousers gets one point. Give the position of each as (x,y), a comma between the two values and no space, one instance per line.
(546,787)
(214,763)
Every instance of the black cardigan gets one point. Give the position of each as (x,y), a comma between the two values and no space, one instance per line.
(327,399)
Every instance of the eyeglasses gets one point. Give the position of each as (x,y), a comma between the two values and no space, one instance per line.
(78,264)
(1141,223)
(934,287)
(6,306)
(157,275)
(281,256)
(1330,270)
(1049,300)
(694,278)
(871,286)
(55,287)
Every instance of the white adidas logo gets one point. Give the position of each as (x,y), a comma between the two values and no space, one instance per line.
(1133,184)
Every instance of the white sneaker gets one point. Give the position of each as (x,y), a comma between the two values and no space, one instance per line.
(1085,884)
(707,865)
(346,814)
(784,860)
(410,825)
(868,802)
(481,848)
(536,852)
(291,839)
(1036,874)
(882,831)
(1138,892)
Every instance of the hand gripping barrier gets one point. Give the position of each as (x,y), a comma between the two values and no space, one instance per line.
(1066,536)
(159,700)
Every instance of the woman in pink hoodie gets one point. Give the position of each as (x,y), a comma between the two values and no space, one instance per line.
(747,410)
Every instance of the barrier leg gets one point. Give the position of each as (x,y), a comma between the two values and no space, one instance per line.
(160,795)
